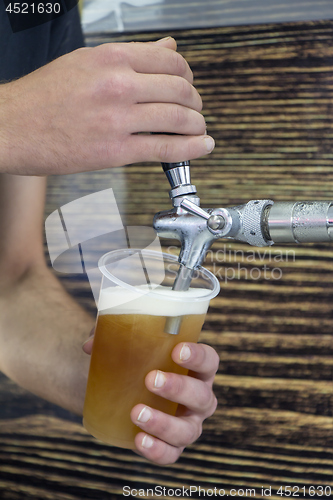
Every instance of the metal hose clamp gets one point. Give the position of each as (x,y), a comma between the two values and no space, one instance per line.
(252,222)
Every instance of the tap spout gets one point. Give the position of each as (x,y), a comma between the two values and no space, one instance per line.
(258,222)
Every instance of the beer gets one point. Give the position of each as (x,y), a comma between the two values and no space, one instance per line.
(130,341)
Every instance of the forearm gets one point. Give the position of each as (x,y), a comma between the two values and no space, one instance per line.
(41,333)
(41,327)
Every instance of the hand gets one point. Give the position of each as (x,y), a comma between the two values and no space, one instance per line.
(164,437)
(95,108)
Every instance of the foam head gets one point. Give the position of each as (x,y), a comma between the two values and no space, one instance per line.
(161,301)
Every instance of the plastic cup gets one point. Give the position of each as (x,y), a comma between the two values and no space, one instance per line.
(136,300)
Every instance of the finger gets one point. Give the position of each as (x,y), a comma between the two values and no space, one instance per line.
(168,118)
(166,88)
(201,359)
(196,395)
(176,431)
(168,42)
(144,58)
(165,148)
(155,450)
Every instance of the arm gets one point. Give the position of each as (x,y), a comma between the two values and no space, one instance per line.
(42,330)
(95,108)
(41,327)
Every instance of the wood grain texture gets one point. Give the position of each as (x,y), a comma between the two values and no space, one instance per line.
(170,14)
(267,93)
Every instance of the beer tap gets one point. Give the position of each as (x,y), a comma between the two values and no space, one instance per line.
(259,223)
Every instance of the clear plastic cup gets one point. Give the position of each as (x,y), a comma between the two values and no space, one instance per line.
(136,301)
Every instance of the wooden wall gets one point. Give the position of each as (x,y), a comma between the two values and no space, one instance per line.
(162,15)
(267,92)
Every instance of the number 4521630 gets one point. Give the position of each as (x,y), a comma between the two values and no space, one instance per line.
(33,8)
(297,491)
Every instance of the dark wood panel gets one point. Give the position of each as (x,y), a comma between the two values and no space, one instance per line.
(268,95)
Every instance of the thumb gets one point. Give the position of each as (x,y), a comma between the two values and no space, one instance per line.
(167,42)
(87,345)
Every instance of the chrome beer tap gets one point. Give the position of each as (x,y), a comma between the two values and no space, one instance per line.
(258,222)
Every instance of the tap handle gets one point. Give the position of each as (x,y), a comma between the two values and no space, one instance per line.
(179,177)
(215,221)
(170,166)
(194,209)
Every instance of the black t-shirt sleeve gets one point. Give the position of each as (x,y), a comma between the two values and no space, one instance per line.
(23,51)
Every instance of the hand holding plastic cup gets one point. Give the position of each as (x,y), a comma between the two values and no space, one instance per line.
(136,299)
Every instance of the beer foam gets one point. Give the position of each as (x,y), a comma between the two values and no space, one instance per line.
(156,302)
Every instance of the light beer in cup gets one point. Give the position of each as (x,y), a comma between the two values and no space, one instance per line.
(135,302)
